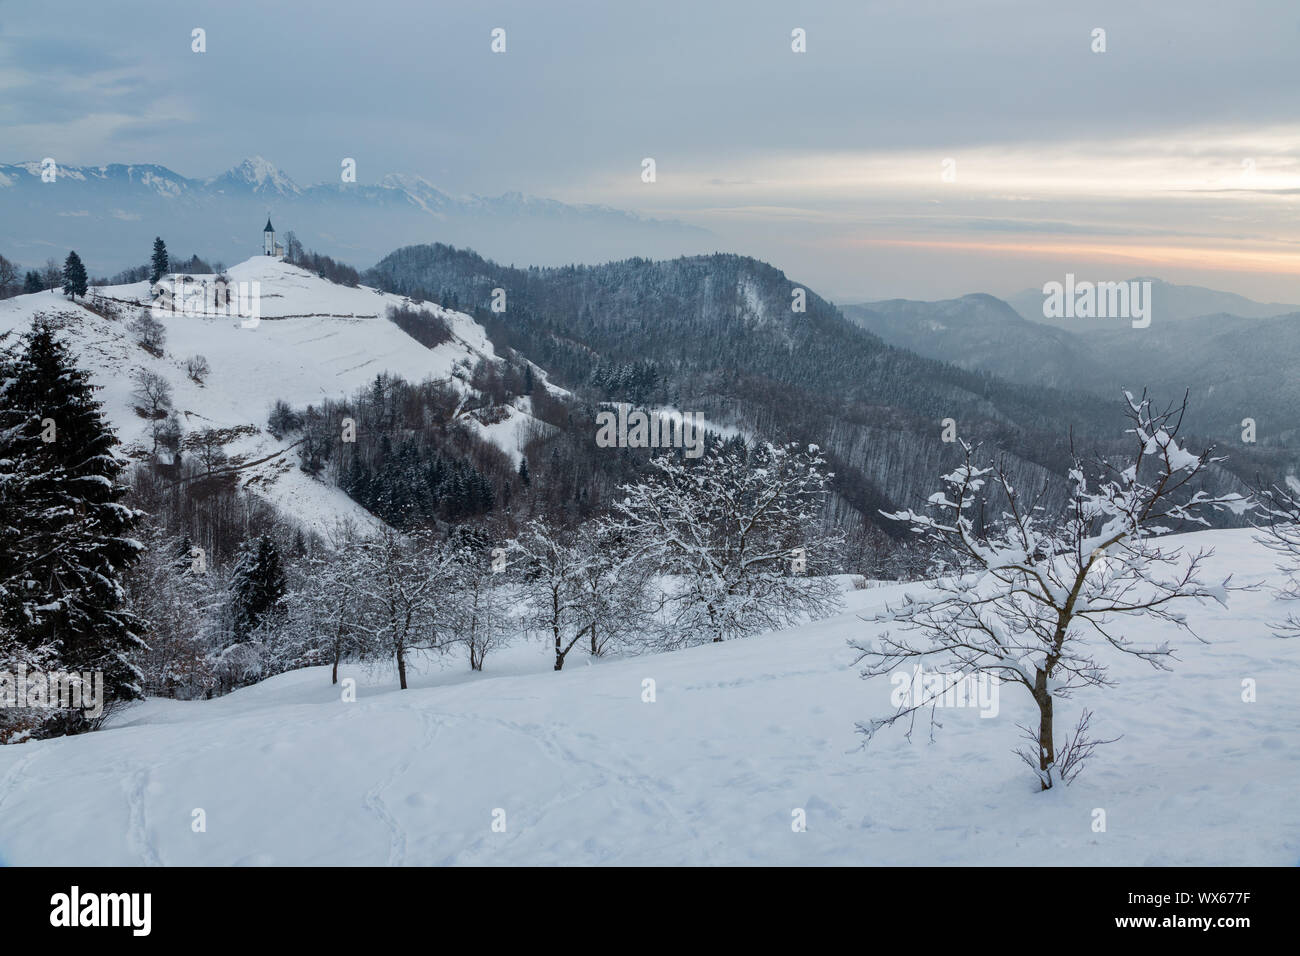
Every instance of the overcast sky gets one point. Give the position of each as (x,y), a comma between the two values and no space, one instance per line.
(1175,153)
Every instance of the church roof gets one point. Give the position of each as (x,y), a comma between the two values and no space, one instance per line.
(269,227)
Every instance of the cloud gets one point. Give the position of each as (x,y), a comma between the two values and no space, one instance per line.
(1184,131)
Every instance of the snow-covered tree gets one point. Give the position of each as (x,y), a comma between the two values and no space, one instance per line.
(1044,593)
(326,605)
(243,629)
(65,536)
(614,589)
(1278,519)
(173,591)
(551,562)
(477,617)
(404,582)
(319,613)
(256,586)
(743,531)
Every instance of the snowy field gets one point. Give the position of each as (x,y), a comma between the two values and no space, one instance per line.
(739,736)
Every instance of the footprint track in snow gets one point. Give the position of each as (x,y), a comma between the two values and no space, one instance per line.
(374,800)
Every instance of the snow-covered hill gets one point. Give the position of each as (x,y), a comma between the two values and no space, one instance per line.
(740,736)
(314,340)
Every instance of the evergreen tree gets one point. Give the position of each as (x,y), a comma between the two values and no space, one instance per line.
(256,586)
(523,471)
(159,261)
(32,283)
(74,275)
(183,561)
(65,536)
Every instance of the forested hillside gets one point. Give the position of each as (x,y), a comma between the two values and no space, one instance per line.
(723,335)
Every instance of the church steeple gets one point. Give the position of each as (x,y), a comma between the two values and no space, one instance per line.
(268,239)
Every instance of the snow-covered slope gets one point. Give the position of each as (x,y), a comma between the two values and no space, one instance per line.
(315,340)
(740,735)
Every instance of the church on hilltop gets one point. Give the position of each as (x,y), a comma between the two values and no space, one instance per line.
(269,246)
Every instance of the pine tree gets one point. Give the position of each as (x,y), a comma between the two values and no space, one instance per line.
(256,586)
(184,557)
(159,261)
(523,471)
(74,276)
(65,536)
(32,283)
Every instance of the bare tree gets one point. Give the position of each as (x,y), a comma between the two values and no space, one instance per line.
(1044,591)
(292,247)
(197,368)
(153,400)
(148,332)
(209,446)
(51,274)
(9,284)
(167,434)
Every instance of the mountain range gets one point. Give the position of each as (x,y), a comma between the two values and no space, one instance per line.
(1234,366)
(111,214)
(1169,303)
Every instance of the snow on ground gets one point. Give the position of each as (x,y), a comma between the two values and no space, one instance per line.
(515,429)
(739,736)
(314,340)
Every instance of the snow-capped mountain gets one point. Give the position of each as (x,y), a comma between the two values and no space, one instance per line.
(256,175)
(111,214)
(314,340)
(113,179)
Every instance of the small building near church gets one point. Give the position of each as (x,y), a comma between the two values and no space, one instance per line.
(269,246)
